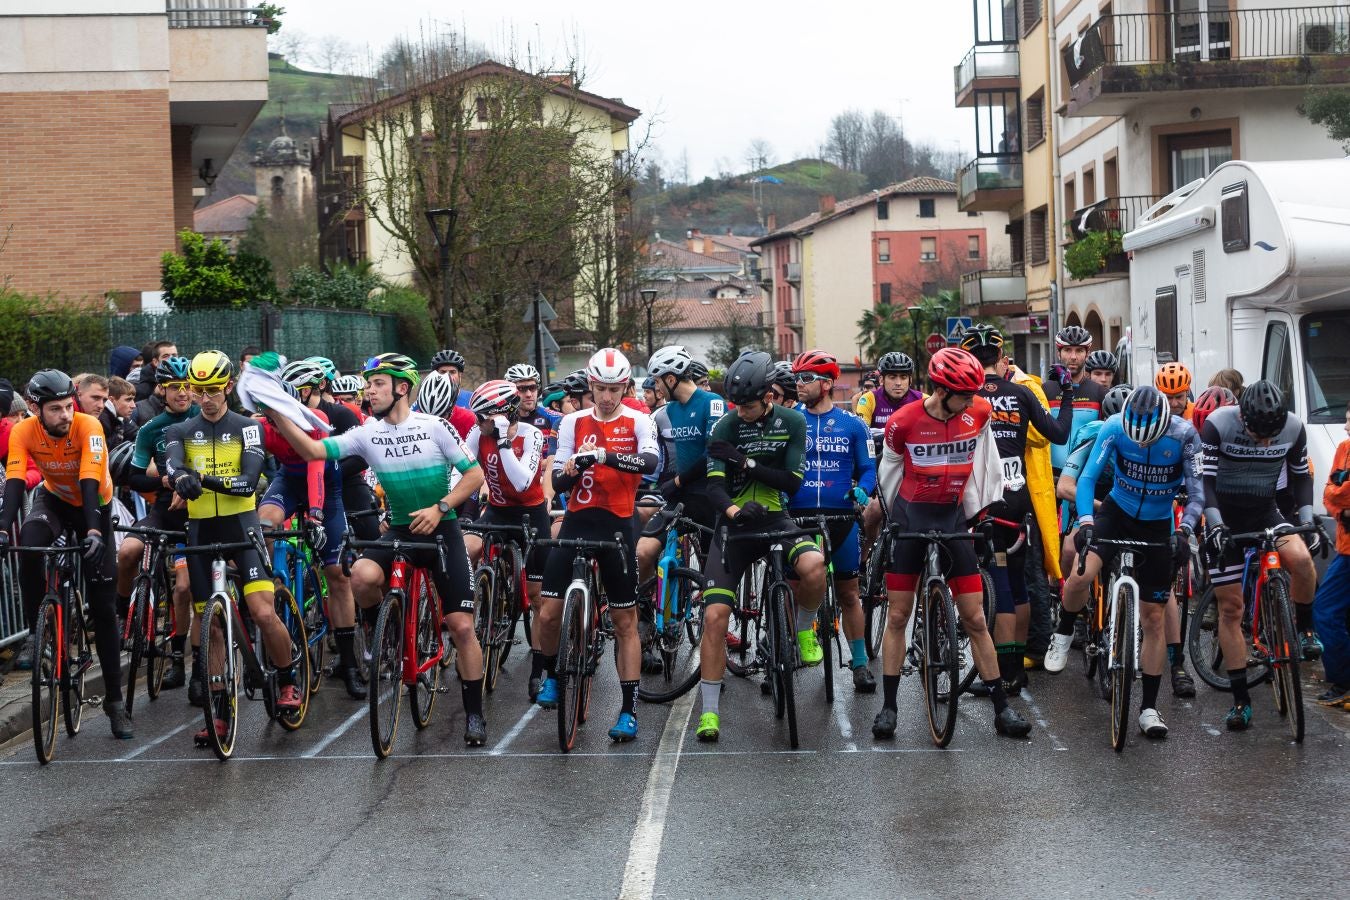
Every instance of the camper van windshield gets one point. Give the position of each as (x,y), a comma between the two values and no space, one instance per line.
(1326,365)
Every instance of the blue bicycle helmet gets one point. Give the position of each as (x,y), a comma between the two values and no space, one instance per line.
(1146,415)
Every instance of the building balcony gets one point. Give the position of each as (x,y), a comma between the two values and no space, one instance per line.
(1123,59)
(987,67)
(994,292)
(1120,214)
(1094,233)
(792,272)
(791,317)
(989,183)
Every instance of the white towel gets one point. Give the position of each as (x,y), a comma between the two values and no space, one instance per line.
(260,389)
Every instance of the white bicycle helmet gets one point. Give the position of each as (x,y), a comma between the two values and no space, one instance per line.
(348,384)
(437,394)
(494,398)
(609,366)
(304,373)
(522,372)
(672,360)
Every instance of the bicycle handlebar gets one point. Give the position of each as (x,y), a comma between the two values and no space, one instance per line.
(581,546)
(1284,529)
(934,537)
(398,545)
(152,532)
(787,534)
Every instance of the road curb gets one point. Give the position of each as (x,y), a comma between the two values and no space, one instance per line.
(16,711)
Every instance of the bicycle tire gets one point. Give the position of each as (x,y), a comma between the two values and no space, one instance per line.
(316,627)
(673,681)
(785,662)
(1090,643)
(1122,671)
(162,627)
(939,664)
(45,682)
(876,600)
(510,583)
(136,613)
(78,658)
(1202,646)
(1288,653)
(572,649)
(827,627)
(426,639)
(288,610)
(966,657)
(484,591)
(385,675)
(221,668)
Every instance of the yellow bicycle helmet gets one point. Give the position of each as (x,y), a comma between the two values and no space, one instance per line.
(210,368)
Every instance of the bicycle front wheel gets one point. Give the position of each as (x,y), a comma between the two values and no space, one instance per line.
(136,613)
(784,662)
(485,621)
(1122,665)
(426,641)
(78,659)
(385,675)
(940,663)
(46,681)
(827,627)
(222,680)
(676,646)
(288,610)
(573,646)
(1281,638)
(876,602)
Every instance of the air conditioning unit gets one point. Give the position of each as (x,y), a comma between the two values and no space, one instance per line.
(1322,38)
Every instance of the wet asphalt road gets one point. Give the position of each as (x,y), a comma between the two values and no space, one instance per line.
(1205,813)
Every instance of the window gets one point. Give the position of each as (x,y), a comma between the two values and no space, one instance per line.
(1070,205)
(883,209)
(1192,156)
(927,249)
(1326,366)
(883,249)
(278,187)
(1037,245)
(1278,363)
(886,293)
(1165,321)
(973,246)
(1236,229)
(1090,184)
(927,209)
(972,214)
(1031,15)
(1034,126)
(929,288)
(1016,242)
(488,109)
(1110,177)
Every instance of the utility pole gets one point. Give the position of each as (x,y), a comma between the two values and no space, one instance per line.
(442,222)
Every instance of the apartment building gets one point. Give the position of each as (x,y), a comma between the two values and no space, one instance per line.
(117,115)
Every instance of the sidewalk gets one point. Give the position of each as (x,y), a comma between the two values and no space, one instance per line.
(16,697)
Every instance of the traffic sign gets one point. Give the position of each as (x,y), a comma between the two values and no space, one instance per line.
(550,344)
(956,328)
(934,343)
(546,312)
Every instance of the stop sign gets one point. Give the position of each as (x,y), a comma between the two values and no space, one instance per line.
(934,343)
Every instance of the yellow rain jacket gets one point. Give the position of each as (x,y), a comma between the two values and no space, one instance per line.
(1041,481)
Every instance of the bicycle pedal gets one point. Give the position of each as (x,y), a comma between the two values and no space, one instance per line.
(92,701)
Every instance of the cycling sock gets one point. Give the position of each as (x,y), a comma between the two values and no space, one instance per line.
(629,689)
(177,645)
(1239,679)
(805,619)
(1010,661)
(858,649)
(1174,657)
(550,664)
(997,694)
(1066,621)
(286,677)
(536,664)
(1303,616)
(1150,698)
(890,686)
(711,692)
(123,605)
(345,638)
(472,694)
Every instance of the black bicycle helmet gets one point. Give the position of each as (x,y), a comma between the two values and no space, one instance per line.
(576,384)
(1114,401)
(1263,409)
(1101,359)
(785,379)
(895,363)
(1073,336)
(119,461)
(49,384)
(448,358)
(175,368)
(697,371)
(982,335)
(748,378)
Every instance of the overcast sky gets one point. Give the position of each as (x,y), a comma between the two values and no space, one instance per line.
(714,76)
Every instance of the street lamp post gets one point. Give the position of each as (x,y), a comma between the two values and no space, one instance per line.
(914,326)
(442,222)
(649,300)
(539,336)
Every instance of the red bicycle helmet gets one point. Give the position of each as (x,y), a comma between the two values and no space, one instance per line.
(957,370)
(1210,399)
(819,362)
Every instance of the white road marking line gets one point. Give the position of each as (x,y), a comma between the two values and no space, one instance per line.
(1214,732)
(337,732)
(516,729)
(1040,720)
(161,739)
(639,873)
(845,729)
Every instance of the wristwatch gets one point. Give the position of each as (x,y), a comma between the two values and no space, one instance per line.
(443,507)
(749,463)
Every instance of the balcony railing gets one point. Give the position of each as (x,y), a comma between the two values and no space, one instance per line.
(994,292)
(994,177)
(792,271)
(793,317)
(214,14)
(984,63)
(1139,39)
(1110,214)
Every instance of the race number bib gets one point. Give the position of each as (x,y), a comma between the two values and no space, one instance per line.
(1014,479)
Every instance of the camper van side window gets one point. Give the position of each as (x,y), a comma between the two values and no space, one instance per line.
(1236,226)
(1277,364)
(1165,322)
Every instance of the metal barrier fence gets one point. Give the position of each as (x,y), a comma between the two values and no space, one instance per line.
(13,628)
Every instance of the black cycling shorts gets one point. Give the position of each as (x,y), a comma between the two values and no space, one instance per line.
(618,568)
(1152,566)
(1228,568)
(726,565)
(248,562)
(539,521)
(453,582)
(959,565)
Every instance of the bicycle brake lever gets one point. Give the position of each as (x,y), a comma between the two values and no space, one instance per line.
(618,539)
(344,555)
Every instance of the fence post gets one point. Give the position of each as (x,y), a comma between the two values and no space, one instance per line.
(271,324)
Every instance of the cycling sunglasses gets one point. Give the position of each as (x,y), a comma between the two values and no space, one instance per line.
(809,377)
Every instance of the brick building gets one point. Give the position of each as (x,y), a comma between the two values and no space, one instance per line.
(115,115)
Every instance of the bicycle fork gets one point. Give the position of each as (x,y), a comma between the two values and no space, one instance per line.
(1125,579)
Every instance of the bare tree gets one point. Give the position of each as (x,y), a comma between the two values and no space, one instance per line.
(682,167)
(884,152)
(291,44)
(845,140)
(331,53)
(758,155)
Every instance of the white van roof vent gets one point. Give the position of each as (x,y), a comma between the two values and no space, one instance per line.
(1199,292)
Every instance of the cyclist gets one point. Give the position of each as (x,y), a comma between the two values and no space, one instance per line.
(347,391)
(167,512)
(438,395)
(577,387)
(1073,344)
(1210,399)
(755,458)
(1174,380)
(451,364)
(1066,488)
(699,372)
(841,471)
(511,453)
(1101,367)
(76,494)
(1246,447)
(314,488)
(784,387)
(1015,410)
(213,461)
(412,455)
(1151,455)
(927,471)
(897,390)
(603,452)
(526,379)
(650,396)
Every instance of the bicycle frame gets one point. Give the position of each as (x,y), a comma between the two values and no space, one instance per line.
(1266,550)
(409,581)
(291,561)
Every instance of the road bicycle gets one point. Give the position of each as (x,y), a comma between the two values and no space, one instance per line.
(151,623)
(299,575)
(989,558)
(671,617)
(828,632)
(583,630)
(406,646)
(499,592)
(61,652)
(234,655)
(872,588)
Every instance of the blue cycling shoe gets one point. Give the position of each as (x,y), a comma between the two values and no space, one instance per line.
(625,729)
(548,694)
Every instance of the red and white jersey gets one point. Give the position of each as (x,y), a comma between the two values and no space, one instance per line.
(515,478)
(604,487)
(936,456)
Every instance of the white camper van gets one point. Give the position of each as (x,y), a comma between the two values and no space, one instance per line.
(1249,269)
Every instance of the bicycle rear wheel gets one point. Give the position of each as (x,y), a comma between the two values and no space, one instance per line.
(573,648)
(1122,668)
(784,661)
(1282,640)
(136,613)
(78,659)
(426,640)
(676,646)
(316,627)
(939,663)
(288,610)
(510,600)
(385,675)
(161,647)
(876,602)
(965,657)
(46,681)
(1202,642)
(827,628)
(221,662)
(485,621)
